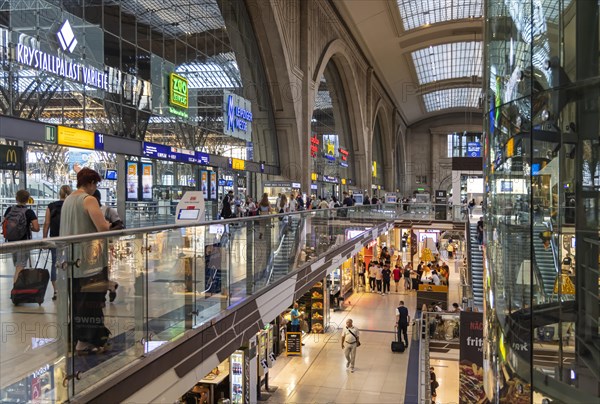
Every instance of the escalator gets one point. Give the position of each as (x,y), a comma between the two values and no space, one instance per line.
(544,260)
(285,255)
(476,267)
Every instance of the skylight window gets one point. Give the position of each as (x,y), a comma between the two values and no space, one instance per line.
(220,71)
(465,97)
(419,13)
(448,61)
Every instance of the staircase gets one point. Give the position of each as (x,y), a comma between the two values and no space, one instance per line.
(284,256)
(476,268)
(544,261)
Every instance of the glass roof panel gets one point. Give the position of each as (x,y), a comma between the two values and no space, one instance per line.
(464,97)
(166,14)
(418,13)
(220,71)
(448,61)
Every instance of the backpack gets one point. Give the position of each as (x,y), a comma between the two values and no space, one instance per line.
(55,210)
(14,226)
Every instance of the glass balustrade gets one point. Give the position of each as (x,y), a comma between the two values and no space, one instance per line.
(166,280)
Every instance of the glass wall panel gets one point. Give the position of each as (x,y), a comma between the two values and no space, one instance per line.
(541,166)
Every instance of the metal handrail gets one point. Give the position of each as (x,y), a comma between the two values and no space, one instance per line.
(271,262)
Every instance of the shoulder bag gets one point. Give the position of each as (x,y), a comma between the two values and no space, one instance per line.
(355,337)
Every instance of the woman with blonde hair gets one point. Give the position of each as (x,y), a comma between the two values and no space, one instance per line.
(264,206)
(52,228)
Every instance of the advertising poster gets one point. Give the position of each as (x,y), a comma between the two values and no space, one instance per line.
(213,185)
(147,182)
(237,377)
(471,389)
(132,181)
(204,184)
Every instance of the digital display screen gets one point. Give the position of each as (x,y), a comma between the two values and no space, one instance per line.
(535,169)
(110,175)
(188,214)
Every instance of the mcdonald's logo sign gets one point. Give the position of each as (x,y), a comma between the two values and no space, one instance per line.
(11,158)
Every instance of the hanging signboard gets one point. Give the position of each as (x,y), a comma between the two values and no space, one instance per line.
(11,158)
(237,116)
(473,149)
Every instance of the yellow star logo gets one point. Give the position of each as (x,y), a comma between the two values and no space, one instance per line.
(330,148)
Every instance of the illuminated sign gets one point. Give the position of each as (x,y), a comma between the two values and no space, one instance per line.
(343,181)
(238,164)
(11,158)
(178,94)
(237,116)
(330,151)
(344,157)
(328,178)
(314,146)
(374,168)
(314,176)
(59,64)
(80,138)
(474,149)
(163,152)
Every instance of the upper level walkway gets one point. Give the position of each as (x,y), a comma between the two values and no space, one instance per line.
(187,297)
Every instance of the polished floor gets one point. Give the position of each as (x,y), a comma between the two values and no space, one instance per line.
(320,375)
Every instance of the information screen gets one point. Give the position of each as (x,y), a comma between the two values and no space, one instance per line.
(188,214)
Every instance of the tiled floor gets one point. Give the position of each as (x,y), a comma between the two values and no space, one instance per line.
(320,375)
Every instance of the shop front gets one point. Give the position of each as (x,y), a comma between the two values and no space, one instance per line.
(274,188)
(228,381)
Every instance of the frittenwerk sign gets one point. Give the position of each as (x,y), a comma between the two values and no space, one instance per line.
(237,116)
(60,64)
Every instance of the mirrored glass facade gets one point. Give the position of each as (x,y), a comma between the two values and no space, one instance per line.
(542,171)
(107,66)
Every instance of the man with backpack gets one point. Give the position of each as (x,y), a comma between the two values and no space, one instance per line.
(19,222)
(52,227)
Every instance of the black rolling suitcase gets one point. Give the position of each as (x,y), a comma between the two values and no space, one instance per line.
(31,285)
(397,346)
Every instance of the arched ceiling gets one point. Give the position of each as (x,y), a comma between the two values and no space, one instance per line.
(428,53)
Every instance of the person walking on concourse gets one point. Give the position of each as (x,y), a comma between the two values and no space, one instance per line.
(402,319)
(350,341)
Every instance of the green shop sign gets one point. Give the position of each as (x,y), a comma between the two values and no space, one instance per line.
(178,94)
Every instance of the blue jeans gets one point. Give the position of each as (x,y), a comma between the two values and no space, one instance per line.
(53,265)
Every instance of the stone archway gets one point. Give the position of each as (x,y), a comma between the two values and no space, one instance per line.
(338,53)
(389,153)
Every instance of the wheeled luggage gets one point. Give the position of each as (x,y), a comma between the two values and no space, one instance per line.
(397,346)
(31,285)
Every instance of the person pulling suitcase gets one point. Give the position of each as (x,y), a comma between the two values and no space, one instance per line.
(402,320)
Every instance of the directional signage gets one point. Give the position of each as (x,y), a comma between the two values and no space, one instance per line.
(473,149)
(160,151)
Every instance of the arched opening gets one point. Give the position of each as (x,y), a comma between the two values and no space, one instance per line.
(377,160)
(331,141)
